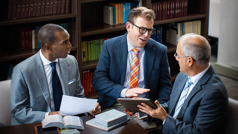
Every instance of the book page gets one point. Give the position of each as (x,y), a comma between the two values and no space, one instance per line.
(74,105)
(53,121)
(73,122)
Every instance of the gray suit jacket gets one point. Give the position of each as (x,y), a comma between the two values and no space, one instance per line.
(204,109)
(30,97)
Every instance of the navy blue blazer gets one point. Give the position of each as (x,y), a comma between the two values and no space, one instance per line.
(110,72)
(203,111)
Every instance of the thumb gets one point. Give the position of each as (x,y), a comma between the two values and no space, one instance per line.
(157,103)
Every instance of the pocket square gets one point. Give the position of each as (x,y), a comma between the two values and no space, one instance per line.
(71,81)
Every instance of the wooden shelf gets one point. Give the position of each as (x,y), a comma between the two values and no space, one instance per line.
(37,19)
(89,65)
(88,1)
(101,29)
(181,19)
(21,54)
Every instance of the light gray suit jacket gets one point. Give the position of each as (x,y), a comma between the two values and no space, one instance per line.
(30,97)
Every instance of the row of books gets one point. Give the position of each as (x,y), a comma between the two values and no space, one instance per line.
(189,27)
(173,34)
(117,13)
(157,35)
(167,9)
(29,39)
(87,81)
(91,49)
(18,9)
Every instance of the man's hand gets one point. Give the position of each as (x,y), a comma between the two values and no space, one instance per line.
(158,113)
(52,113)
(134,92)
(96,110)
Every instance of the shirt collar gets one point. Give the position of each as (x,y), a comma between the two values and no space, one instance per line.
(197,77)
(130,47)
(44,60)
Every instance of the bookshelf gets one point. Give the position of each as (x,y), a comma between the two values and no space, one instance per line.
(85,24)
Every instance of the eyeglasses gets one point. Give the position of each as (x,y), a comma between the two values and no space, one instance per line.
(176,55)
(143,30)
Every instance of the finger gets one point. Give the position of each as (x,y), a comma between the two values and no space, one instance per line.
(157,103)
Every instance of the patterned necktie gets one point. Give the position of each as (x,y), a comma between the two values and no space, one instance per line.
(182,97)
(134,69)
(56,86)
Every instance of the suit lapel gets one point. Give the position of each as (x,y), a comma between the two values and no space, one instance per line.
(179,88)
(149,60)
(41,79)
(122,52)
(63,67)
(198,87)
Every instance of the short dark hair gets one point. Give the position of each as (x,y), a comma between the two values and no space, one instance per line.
(47,34)
(142,12)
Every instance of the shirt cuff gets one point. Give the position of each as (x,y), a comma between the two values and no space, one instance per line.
(46,114)
(164,121)
(123,92)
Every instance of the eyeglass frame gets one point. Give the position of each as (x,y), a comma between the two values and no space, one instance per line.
(146,29)
(176,55)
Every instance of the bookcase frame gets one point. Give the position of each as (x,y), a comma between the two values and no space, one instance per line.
(88,24)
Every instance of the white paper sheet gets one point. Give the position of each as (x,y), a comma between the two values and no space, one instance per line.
(74,105)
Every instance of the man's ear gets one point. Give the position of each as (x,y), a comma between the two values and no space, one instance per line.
(47,47)
(190,61)
(128,24)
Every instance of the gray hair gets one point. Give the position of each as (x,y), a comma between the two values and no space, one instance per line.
(197,47)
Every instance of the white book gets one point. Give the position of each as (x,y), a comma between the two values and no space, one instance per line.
(62,122)
(108,14)
(108,120)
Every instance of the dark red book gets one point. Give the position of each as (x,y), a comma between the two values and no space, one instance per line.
(10,9)
(38,11)
(18,13)
(67,7)
(47,7)
(51,2)
(35,5)
(55,5)
(42,12)
(23,8)
(59,6)
(31,6)
(63,5)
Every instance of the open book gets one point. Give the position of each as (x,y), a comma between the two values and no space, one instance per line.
(62,122)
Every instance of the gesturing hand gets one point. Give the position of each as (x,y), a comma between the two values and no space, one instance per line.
(158,113)
(134,92)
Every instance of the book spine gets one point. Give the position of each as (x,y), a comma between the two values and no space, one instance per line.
(67,7)
(47,7)
(59,7)
(63,3)
(54,4)
(10,9)
(42,12)
(38,11)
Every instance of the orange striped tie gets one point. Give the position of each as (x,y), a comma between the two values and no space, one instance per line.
(134,69)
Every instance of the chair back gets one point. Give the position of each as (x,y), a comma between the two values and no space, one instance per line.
(5,103)
(232,126)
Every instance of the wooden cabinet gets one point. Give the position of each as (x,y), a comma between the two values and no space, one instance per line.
(85,22)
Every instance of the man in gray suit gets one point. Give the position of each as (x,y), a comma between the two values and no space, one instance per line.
(32,90)
(199,106)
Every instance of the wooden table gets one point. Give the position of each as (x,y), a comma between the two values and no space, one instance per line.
(130,127)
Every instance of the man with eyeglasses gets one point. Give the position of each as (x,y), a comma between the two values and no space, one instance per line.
(198,102)
(115,75)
